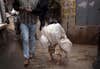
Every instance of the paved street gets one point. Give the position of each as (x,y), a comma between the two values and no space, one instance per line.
(81,57)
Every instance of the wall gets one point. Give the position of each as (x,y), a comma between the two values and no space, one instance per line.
(0,18)
(79,34)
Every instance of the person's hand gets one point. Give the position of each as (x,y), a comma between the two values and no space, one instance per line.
(28,10)
(21,8)
(8,14)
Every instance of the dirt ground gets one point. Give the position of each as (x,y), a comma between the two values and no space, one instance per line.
(81,57)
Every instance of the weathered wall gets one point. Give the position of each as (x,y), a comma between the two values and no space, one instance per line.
(78,34)
(0,18)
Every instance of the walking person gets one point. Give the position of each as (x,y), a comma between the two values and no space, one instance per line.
(27,26)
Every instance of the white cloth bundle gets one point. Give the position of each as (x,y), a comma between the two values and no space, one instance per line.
(65,45)
(44,41)
(54,33)
(14,12)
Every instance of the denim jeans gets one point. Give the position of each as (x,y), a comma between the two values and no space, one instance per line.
(28,38)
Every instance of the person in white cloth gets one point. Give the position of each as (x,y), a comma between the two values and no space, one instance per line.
(54,37)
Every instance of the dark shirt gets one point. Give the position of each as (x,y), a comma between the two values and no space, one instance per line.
(24,16)
(27,17)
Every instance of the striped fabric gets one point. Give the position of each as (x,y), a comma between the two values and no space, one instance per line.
(29,3)
(27,17)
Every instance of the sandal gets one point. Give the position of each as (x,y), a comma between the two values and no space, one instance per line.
(26,62)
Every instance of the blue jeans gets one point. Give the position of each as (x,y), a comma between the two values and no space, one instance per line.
(28,38)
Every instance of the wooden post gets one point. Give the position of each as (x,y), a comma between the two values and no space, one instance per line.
(68,14)
(65,13)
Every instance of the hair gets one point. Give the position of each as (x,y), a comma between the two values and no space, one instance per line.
(29,3)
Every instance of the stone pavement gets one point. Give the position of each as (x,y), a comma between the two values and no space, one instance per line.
(81,57)
(10,51)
